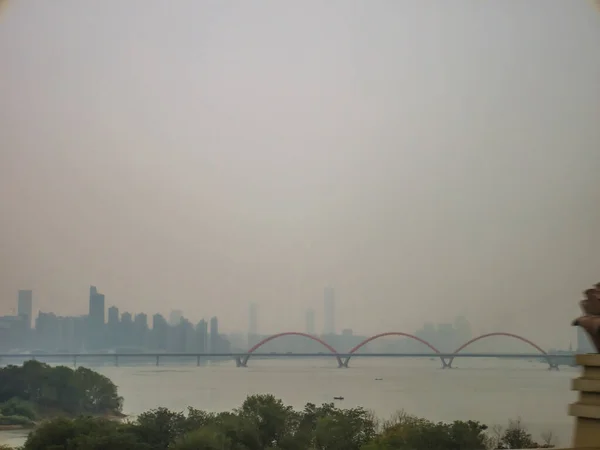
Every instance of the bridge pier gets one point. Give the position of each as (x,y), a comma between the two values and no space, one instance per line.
(239,362)
(447,364)
(552,364)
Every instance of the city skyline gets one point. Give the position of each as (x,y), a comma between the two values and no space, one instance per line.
(101,316)
(107,330)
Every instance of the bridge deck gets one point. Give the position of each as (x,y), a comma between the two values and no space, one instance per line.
(287,355)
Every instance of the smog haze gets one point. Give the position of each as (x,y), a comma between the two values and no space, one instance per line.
(425,158)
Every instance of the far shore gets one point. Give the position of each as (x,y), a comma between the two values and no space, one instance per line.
(117,417)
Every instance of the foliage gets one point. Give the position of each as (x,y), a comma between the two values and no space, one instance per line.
(19,421)
(409,432)
(84,433)
(34,385)
(270,417)
(264,422)
(207,438)
(17,407)
(516,436)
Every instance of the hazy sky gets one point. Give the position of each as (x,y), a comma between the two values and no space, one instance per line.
(425,157)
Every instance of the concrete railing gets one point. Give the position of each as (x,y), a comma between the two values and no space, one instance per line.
(586,410)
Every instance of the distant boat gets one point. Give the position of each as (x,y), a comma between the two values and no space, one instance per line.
(338,398)
(378,379)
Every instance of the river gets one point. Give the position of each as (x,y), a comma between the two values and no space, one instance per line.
(489,390)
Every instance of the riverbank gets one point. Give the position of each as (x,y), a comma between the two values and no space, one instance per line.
(15,427)
(30,425)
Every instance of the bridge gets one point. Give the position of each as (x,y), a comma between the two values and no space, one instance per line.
(241,358)
(342,359)
(445,358)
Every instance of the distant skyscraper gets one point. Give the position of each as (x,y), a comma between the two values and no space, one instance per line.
(113,327)
(329,304)
(175,317)
(113,315)
(160,329)
(214,335)
(202,336)
(96,309)
(96,319)
(25,306)
(253,320)
(310,321)
(140,329)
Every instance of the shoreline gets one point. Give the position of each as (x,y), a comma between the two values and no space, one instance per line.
(117,417)
(16,427)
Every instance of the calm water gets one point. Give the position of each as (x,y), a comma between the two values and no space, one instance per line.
(490,391)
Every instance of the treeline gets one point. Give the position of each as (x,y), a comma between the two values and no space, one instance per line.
(35,390)
(266,423)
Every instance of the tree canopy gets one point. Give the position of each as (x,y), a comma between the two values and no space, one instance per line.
(36,389)
(264,422)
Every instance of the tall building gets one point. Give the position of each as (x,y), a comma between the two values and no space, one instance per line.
(96,319)
(113,327)
(253,320)
(126,333)
(96,309)
(159,332)
(140,330)
(113,315)
(25,306)
(310,321)
(214,335)
(175,317)
(47,331)
(329,304)
(202,336)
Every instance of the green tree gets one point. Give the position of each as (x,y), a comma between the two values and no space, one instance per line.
(83,433)
(160,427)
(241,432)
(270,416)
(59,389)
(406,432)
(207,438)
(516,436)
(18,407)
(348,429)
(265,423)
(97,393)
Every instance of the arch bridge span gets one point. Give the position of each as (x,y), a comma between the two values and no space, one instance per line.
(390,333)
(244,361)
(552,365)
(344,358)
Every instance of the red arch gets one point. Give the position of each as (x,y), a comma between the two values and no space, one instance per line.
(516,336)
(394,333)
(293,333)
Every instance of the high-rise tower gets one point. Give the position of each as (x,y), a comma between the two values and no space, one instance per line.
(25,306)
(96,317)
